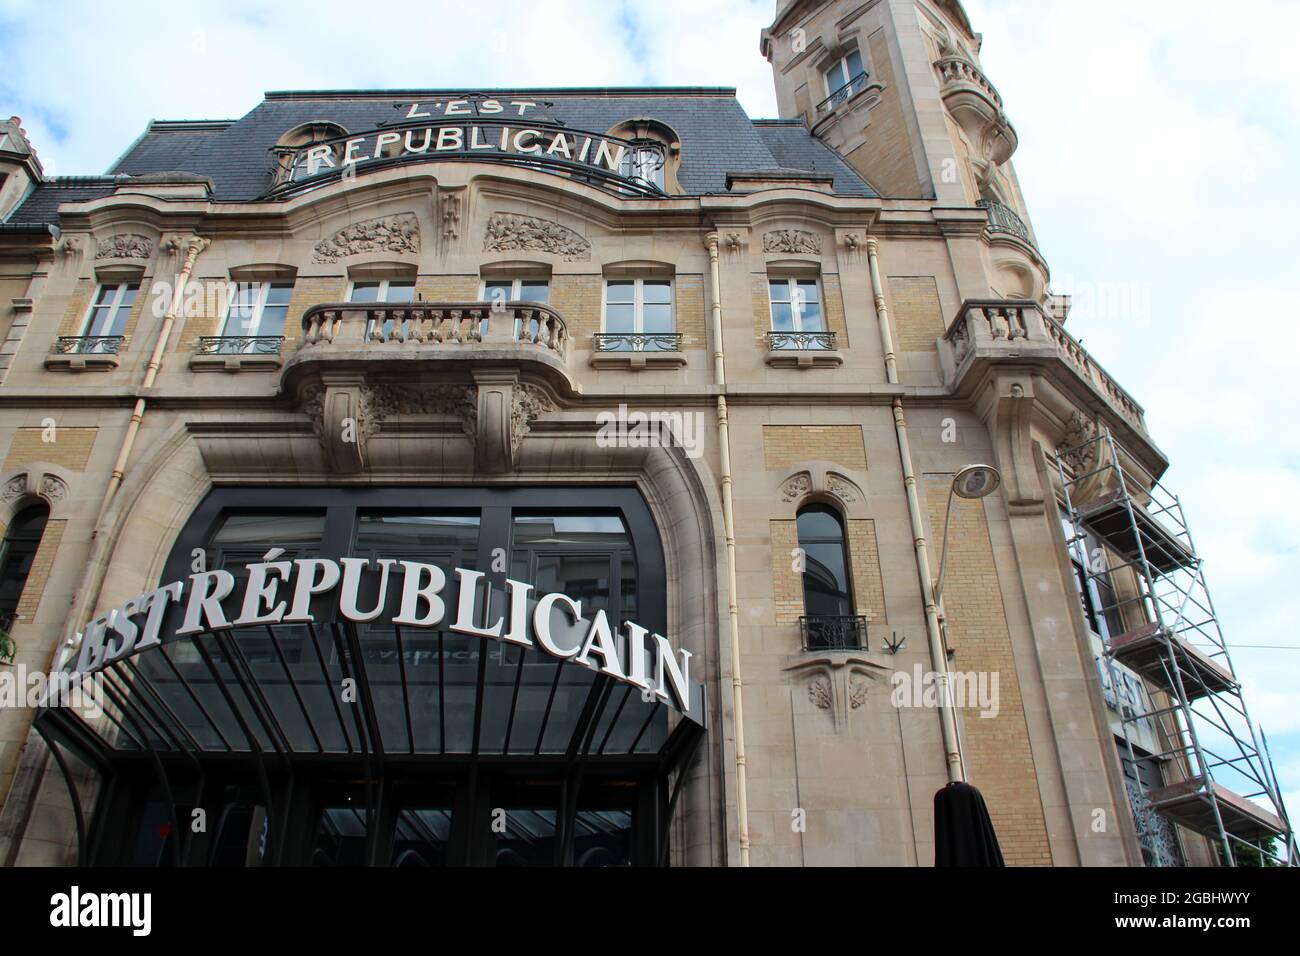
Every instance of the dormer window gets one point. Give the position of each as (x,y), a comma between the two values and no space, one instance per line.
(651,154)
(644,161)
(844,78)
(307,151)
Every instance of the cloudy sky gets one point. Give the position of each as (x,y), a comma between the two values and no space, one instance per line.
(1158,143)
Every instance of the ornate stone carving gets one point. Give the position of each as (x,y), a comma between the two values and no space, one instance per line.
(529,402)
(842,488)
(14,487)
(53,488)
(796,487)
(733,242)
(125,245)
(1077,449)
(857,692)
(495,414)
(69,246)
(506,231)
(792,240)
(450,215)
(398,233)
(819,692)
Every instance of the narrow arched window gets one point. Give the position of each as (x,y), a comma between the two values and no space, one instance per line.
(22,539)
(829,621)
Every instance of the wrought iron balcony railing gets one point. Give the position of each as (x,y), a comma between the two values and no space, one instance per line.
(638,342)
(838,96)
(87,344)
(240,344)
(801,341)
(1003,220)
(833,632)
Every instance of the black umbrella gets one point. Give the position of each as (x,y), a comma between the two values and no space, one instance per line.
(963,832)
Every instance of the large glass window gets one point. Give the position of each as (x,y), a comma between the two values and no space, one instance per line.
(448,726)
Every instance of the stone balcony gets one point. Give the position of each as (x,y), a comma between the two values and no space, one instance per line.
(988,333)
(490,365)
(976,106)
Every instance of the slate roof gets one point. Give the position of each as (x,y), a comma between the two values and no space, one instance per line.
(716,135)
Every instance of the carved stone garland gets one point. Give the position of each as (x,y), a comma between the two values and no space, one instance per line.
(792,240)
(397,233)
(124,246)
(506,232)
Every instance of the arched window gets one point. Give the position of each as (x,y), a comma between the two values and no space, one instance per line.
(297,161)
(16,555)
(653,153)
(829,621)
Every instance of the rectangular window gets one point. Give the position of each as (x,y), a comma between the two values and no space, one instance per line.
(845,78)
(108,315)
(387,290)
(798,321)
(501,291)
(257,309)
(382,291)
(638,314)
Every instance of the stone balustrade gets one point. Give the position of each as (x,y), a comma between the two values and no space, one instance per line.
(1020,330)
(414,325)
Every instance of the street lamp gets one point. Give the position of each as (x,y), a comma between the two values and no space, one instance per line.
(973,481)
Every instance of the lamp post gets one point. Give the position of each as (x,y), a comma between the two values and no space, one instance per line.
(973,481)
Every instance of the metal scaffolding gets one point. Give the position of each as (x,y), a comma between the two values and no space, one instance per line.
(1216,778)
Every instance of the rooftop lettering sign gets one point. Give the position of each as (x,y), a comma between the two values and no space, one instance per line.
(281,592)
(488,135)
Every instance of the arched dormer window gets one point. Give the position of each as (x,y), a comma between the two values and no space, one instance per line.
(297,161)
(22,539)
(653,153)
(829,622)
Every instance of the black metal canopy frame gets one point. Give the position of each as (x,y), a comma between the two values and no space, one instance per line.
(365,702)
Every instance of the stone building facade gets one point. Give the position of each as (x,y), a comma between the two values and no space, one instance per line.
(436,303)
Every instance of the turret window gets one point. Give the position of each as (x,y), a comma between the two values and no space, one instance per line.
(844,78)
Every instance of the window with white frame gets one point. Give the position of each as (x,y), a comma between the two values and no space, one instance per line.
(106,320)
(501,291)
(255,313)
(638,316)
(797,317)
(382,291)
(844,78)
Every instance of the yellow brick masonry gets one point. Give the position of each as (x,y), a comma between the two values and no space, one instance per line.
(917,313)
(998,756)
(864,566)
(70,447)
(42,562)
(783,445)
(577,299)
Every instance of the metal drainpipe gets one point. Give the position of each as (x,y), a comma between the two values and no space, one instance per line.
(938,655)
(729,528)
(193,245)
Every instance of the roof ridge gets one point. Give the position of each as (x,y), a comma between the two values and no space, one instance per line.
(729,91)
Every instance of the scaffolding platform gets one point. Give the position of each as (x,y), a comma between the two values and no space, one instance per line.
(1145,651)
(1188,803)
(1108,518)
(1136,563)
